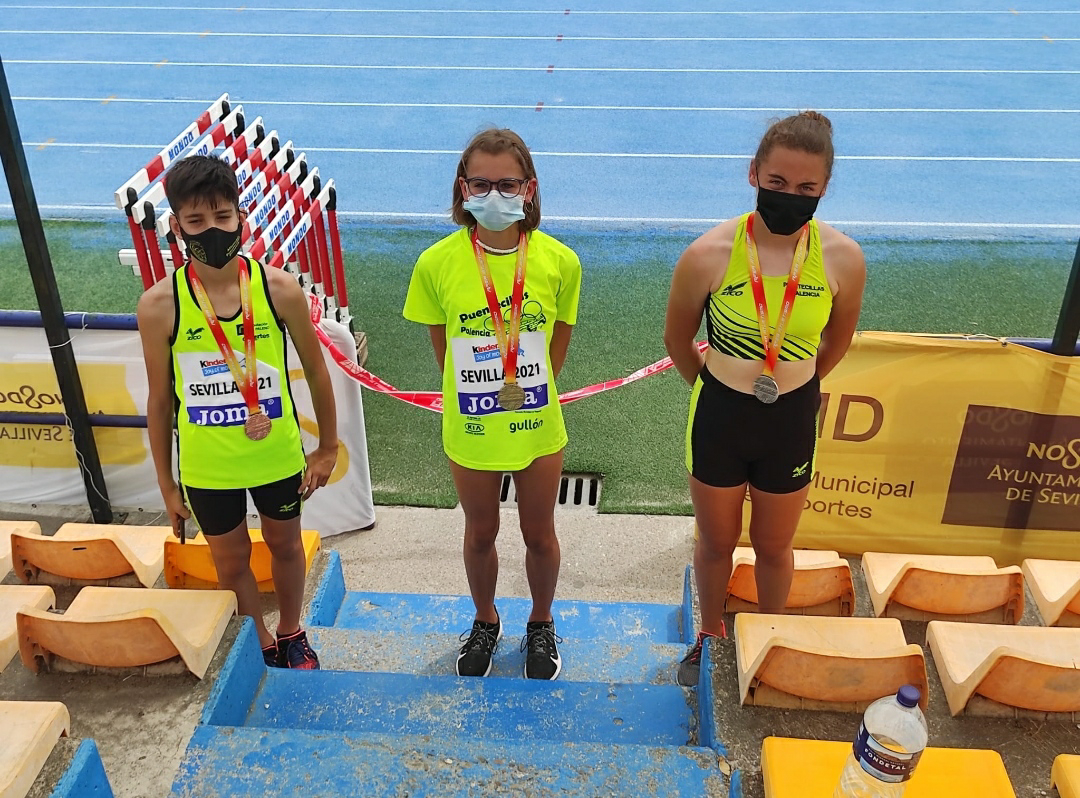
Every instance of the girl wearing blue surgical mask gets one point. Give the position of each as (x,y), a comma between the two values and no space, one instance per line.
(781,294)
(500,300)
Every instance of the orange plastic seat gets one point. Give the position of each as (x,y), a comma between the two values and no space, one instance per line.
(821,584)
(124,628)
(7,528)
(31,729)
(1017,667)
(924,587)
(91,553)
(840,664)
(1055,585)
(1065,776)
(190,565)
(12,599)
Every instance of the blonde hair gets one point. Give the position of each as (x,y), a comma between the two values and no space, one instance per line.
(495,141)
(808,131)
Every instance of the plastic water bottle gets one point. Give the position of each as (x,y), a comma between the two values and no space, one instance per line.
(891,739)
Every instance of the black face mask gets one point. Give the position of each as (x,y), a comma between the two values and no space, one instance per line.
(213,246)
(784,213)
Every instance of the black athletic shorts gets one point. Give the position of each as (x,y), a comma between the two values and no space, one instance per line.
(733,438)
(220,511)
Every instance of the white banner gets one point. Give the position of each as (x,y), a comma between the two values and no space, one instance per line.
(37,462)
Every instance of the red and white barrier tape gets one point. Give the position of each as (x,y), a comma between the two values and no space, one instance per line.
(432,400)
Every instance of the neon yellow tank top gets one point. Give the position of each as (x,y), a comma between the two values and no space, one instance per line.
(731,318)
(213,450)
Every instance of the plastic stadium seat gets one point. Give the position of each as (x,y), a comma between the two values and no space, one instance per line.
(91,553)
(189,565)
(1055,584)
(821,584)
(12,599)
(31,729)
(923,587)
(811,769)
(6,528)
(1065,775)
(813,662)
(123,628)
(1019,667)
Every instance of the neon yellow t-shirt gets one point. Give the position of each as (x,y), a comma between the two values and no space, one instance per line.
(446,289)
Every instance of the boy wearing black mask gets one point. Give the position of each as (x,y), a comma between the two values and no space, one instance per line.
(213,337)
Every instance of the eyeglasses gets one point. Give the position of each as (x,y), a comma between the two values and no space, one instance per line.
(508,187)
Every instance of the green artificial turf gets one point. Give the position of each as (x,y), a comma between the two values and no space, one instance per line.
(634,435)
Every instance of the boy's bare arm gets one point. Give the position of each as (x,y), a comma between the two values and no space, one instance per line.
(292,305)
(156,317)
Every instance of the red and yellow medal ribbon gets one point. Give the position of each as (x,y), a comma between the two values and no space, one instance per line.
(772,343)
(246,379)
(507,340)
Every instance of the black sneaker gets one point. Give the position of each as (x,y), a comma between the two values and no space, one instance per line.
(297,653)
(481,643)
(542,659)
(690,667)
(272,656)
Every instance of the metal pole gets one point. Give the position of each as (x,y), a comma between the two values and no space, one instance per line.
(52,312)
(1068,326)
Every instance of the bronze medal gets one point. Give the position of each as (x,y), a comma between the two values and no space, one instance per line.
(511,396)
(257,426)
(766,389)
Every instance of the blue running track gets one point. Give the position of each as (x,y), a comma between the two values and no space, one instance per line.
(953,118)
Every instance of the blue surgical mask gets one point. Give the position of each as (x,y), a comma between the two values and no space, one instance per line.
(496,212)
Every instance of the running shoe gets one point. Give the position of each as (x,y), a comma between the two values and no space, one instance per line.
(690,667)
(481,642)
(297,653)
(542,660)
(272,656)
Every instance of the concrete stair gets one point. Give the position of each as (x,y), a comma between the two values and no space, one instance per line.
(388,716)
(321,763)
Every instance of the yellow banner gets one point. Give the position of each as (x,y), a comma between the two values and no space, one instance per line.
(947,445)
(32,388)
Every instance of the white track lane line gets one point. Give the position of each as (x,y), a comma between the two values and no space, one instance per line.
(542,12)
(555,154)
(444,68)
(563,107)
(640,219)
(395,36)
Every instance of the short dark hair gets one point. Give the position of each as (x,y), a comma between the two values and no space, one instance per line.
(495,141)
(200,179)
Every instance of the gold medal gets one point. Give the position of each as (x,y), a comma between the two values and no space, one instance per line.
(257,426)
(511,396)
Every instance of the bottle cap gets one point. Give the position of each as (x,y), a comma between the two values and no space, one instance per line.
(908,696)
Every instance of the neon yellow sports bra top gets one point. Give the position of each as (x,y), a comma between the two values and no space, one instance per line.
(731,318)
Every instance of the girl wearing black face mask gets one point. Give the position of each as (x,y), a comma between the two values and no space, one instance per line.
(781,294)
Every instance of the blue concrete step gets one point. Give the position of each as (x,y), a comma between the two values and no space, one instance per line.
(85,775)
(449,706)
(238,761)
(425,614)
(436,654)
(421,614)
